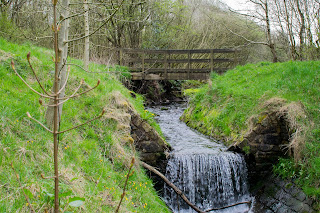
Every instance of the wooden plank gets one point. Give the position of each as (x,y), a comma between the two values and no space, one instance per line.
(178,51)
(171,76)
(161,70)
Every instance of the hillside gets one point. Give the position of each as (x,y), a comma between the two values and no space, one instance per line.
(94,158)
(225,107)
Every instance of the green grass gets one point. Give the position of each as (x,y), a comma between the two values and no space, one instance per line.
(223,109)
(92,168)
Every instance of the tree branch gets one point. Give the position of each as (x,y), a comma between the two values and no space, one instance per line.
(34,73)
(125,185)
(67,98)
(83,123)
(176,189)
(29,116)
(108,69)
(114,12)
(42,95)
(180,193)
(65,83)
(224,207)
(74,15)
(248,40)
(73,96)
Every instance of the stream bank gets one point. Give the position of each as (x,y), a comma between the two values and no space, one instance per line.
(270,132)
(210,176)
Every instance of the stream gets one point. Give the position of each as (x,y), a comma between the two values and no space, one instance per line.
(209,176)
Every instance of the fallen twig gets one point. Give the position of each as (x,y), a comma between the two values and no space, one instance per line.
(180,193)
(176,189)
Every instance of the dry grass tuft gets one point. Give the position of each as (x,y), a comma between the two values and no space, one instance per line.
(118,109)
(294,114)
(4,56)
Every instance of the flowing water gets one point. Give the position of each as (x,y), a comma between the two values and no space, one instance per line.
(208,175)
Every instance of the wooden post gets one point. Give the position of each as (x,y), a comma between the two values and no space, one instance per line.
(211,60)
(169,64)
(142,65)
(165,66)
(120,57)
(189,64)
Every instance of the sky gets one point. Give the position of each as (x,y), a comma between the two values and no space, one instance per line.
(236,4)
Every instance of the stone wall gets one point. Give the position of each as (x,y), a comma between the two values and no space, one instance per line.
(151,146)
(278,196)
(271,135)
(131,129)
(264,144)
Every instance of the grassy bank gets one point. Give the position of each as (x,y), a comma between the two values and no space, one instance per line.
(94,159)
(223,108)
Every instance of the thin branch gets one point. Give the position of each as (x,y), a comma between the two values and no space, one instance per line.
(125,185)
(248,40)
(176,189)
(29,116)
(136,3)
(83,123)
(109,18)
(43,177)
(34,73)
(73,96)
(27,198)
(76,90)
(14,69)
(225,207)
(74,15)
(65,83)
(108,69)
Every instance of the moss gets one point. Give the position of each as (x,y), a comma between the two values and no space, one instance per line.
(246,149)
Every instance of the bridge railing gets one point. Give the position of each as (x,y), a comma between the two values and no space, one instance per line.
(176,64)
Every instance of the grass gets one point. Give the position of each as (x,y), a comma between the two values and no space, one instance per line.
(93,158)
(223,107)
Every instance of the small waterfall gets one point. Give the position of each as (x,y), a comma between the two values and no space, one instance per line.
(209,181)
(201,167)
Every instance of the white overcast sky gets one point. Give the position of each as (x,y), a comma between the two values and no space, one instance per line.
(236,4)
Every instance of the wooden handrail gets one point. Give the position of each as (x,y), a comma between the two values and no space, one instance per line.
(168,64)
(178,61)
(178,51)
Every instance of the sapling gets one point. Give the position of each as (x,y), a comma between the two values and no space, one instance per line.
(55,101)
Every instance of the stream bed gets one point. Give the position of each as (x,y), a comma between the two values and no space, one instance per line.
(209,176)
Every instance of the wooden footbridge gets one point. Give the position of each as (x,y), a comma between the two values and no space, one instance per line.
(195,64)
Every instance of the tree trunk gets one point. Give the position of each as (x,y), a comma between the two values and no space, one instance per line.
(302,30)
(63,54)
(86,31)
(290,32)
(270,41)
